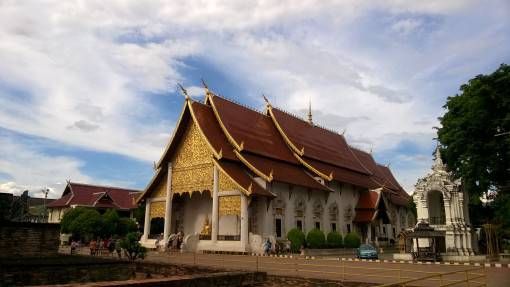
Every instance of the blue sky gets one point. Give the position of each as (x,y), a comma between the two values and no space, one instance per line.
(88,89)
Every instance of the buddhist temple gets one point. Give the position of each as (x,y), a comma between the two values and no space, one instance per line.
(232,177)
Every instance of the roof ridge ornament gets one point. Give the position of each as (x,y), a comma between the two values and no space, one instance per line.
(183,91)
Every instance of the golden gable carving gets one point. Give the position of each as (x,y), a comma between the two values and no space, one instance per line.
(226,184)
(192,165)
(160,189)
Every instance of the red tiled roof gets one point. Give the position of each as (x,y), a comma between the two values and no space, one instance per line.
(342,174)
(316,142)
(364,216)
(237,173)
(212,130)
(368,200)
(367,207)
(254,130)
(90,195)
(284,172)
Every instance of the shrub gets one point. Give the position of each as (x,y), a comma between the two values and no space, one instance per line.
(316,238)
(296,238)
(132,247)
(335,239)
(125,226)
(352,240)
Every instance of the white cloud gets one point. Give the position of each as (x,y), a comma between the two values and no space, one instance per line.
(84,67)
(30,169)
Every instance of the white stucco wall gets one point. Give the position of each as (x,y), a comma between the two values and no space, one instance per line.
(195,211)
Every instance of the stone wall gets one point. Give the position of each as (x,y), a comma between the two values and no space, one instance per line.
(28,239)
(223,279)
(62,270)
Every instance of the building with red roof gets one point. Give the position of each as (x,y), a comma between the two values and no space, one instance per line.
(231,177)
(98,197)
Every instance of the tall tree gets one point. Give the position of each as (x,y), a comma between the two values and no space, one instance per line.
(475,134)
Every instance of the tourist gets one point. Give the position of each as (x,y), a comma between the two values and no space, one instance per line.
(118,248)
(74,244)
(267,247)
(93,247)
(111,246)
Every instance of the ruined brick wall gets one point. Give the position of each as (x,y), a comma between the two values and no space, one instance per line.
(29,239)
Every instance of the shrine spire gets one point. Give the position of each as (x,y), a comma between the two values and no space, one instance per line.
(310,121)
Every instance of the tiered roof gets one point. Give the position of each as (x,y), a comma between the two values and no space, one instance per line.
(277,146)
(81,194)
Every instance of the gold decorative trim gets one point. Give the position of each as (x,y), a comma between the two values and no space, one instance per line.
(157,209)
(230,205)
(307,165)
(215,153)
(239,147)
(246,191)
(254,169)
(301,151)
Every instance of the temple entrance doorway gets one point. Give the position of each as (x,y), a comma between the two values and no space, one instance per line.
(156,228)
(436,208)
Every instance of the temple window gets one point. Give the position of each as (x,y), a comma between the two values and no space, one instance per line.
(317,224)
(299,224)
(348,228)
(278,227)
(333,226)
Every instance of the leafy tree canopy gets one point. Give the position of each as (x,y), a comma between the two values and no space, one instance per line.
(475,132)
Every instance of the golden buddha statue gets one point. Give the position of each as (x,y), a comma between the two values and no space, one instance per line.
(206,229)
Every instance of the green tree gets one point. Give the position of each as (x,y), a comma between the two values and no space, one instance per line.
(110,223)
(88,223)
(69,216)
(475,138)
(132,247)
(125,226)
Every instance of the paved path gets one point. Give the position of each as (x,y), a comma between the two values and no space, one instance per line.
(332,268)
(357,271)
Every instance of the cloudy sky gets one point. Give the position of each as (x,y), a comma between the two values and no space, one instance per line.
(88,88)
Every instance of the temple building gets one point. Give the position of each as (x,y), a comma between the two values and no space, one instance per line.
(231,177)
(100,198)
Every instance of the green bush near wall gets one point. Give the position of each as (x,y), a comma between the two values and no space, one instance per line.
(352,240)
(296,238)
(335,240)
(316,239)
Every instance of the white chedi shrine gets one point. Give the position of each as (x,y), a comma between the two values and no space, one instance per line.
(442,202)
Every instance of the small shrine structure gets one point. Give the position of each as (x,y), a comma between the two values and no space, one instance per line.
(443,204)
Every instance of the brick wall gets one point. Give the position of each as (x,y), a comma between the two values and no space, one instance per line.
(28,239)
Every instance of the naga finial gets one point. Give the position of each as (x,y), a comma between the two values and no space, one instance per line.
(205,87)
(183,91)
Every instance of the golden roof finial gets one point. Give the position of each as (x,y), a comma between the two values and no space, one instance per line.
(310,121)
(183,91)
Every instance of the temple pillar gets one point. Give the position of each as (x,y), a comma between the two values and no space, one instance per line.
(244,221)
(147,222)
(214,219)
(168,206)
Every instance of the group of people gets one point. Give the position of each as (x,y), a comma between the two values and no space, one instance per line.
(100,247)
(175,241)
(279,247)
